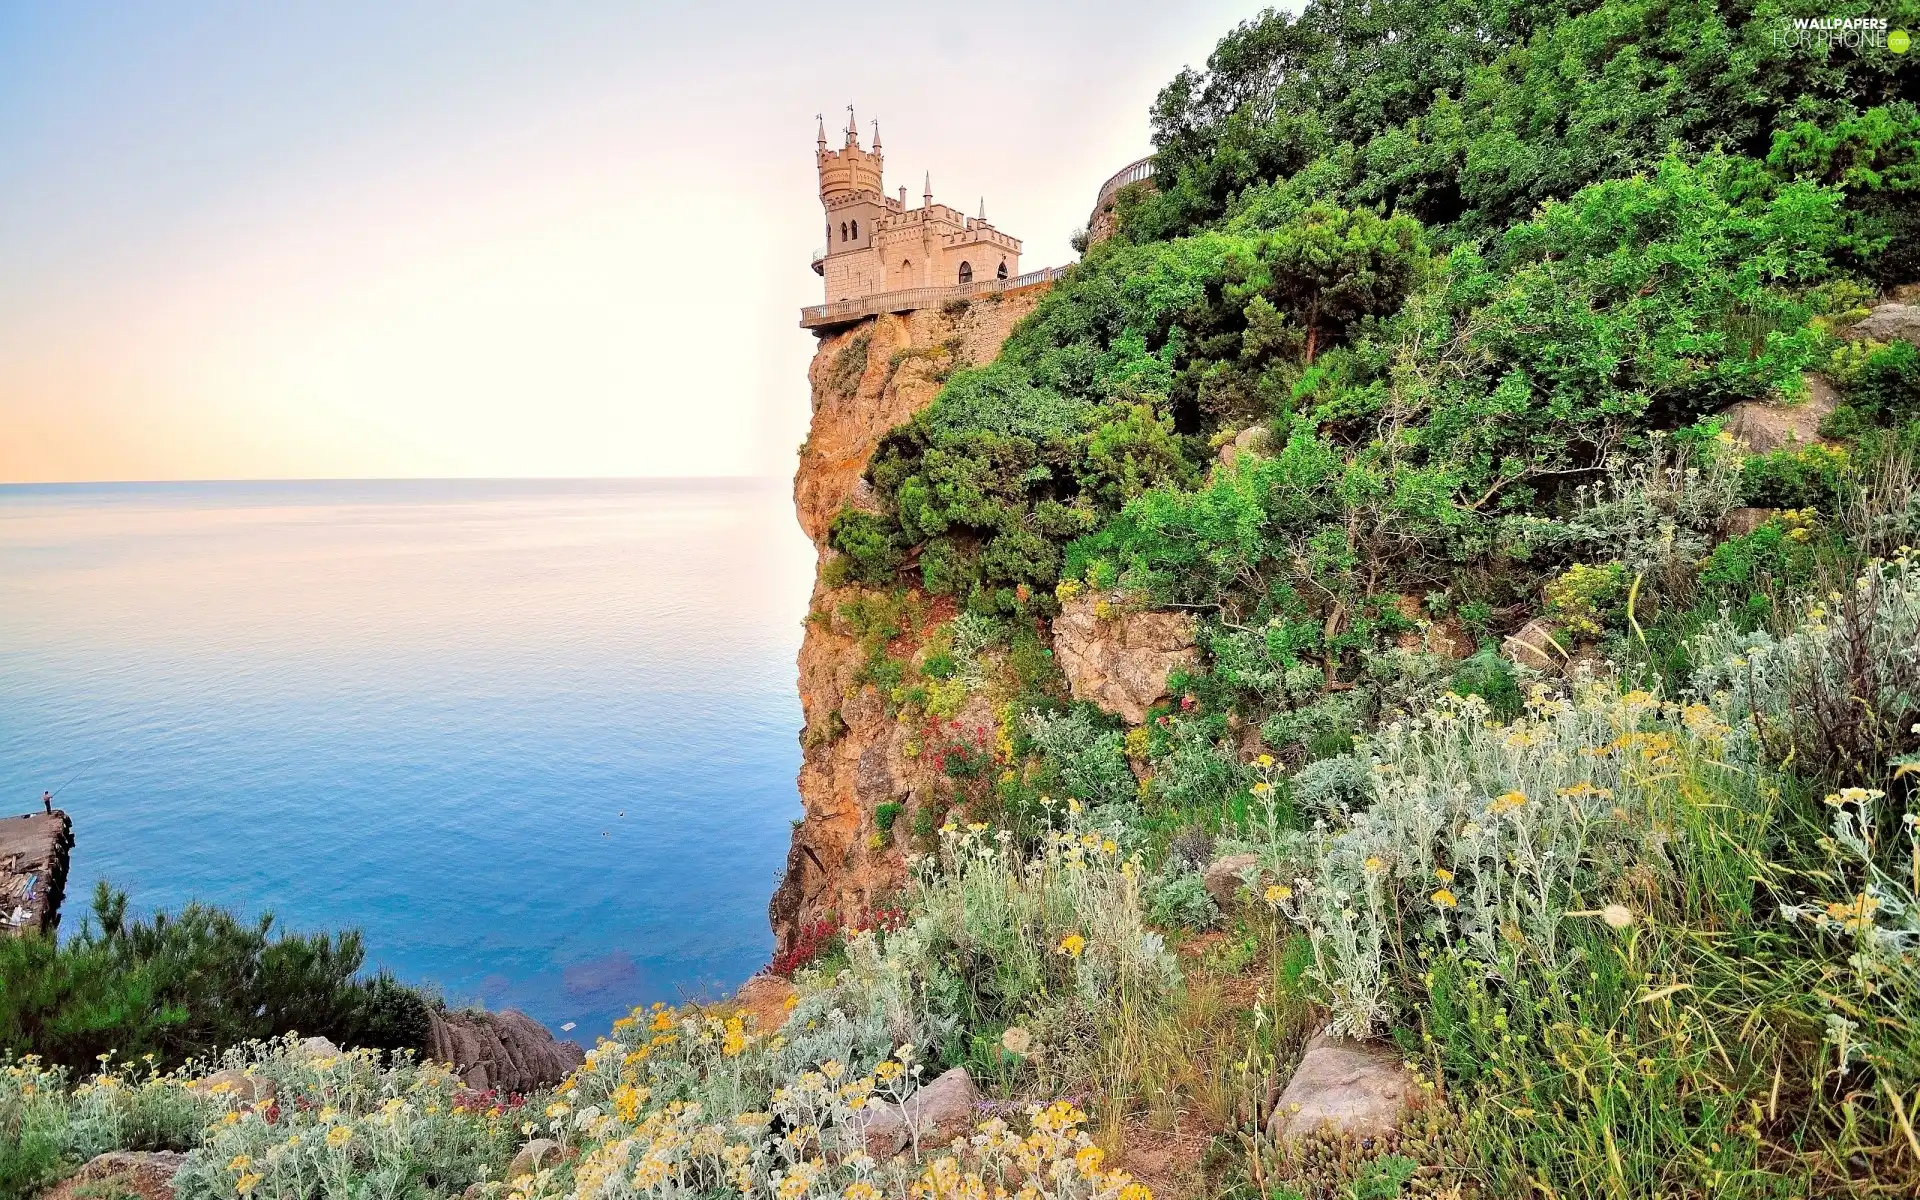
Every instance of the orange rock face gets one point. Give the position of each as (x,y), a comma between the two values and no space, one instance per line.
(866,379)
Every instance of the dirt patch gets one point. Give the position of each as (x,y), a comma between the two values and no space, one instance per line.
(1168,1161)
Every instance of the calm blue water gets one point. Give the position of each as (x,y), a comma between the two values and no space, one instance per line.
(536,740)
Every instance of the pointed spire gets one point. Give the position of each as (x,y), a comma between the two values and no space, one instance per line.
(853,128)
(822,118)
(876,135)
(928,193)
(983,209)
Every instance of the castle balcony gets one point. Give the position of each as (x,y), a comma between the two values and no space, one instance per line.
(845,312)
(820,262)
(1133,172)
(1100,224)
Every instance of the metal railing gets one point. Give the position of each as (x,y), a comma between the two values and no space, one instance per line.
(1133,172)
(842,311)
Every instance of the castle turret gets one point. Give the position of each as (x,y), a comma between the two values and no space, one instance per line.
(849,170)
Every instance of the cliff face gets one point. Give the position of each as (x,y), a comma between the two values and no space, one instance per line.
(33,871)
(866,379)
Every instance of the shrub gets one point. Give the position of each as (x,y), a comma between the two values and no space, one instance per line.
(850,364)
(1814,476)
(180,987)
(1748,573)
(1841,691)
(1333,787)
(1585,600)
(810,942)
(1056,941)
(49,1124)
(1179,900)
(1482,838)
(1487,674)
(1082,759)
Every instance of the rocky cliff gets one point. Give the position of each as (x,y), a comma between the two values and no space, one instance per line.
(866,379)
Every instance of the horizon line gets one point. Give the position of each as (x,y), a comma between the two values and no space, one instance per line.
(291,479)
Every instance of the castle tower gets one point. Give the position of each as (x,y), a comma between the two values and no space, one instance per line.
(850,191)
(849,170)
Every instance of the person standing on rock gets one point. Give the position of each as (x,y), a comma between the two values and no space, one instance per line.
(46,800)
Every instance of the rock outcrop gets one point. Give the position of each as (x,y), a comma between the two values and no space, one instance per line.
(1117,659)
(1739,522)
(1536,646)
(1225,877)
(765,1001)
(866,378)
(122,1174)
(1764,426)
(242,1086)
(508,1051)
(33,871)
(1253,440)
(935,1115)
(1889,323)
(1360,1089)
(540,1152)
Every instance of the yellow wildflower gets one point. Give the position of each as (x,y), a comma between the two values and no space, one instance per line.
(1446,899)
(246,1183)
(1278,894)
(339,1136)
(1443,875)
(1072,944)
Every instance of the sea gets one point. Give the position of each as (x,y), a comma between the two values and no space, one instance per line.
(537,741)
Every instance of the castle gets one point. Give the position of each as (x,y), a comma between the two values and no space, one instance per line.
(876,244)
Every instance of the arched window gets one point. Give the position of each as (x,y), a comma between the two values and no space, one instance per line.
(966,272)
(1002,272)
(906,268)
(843,231)
(856,229)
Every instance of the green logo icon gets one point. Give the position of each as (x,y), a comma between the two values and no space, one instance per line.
(1898,41)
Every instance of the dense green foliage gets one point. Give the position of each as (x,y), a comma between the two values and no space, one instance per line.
(1452,259)
(1430,331)
(185,986)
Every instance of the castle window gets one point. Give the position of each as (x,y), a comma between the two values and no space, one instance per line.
(966,272)
(1002,272)
(856,230)
(843,231)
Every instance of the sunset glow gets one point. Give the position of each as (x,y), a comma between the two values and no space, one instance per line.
(252,243)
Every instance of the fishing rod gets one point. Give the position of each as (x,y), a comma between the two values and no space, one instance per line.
(78,772)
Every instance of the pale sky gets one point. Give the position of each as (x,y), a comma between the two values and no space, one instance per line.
(243,241)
